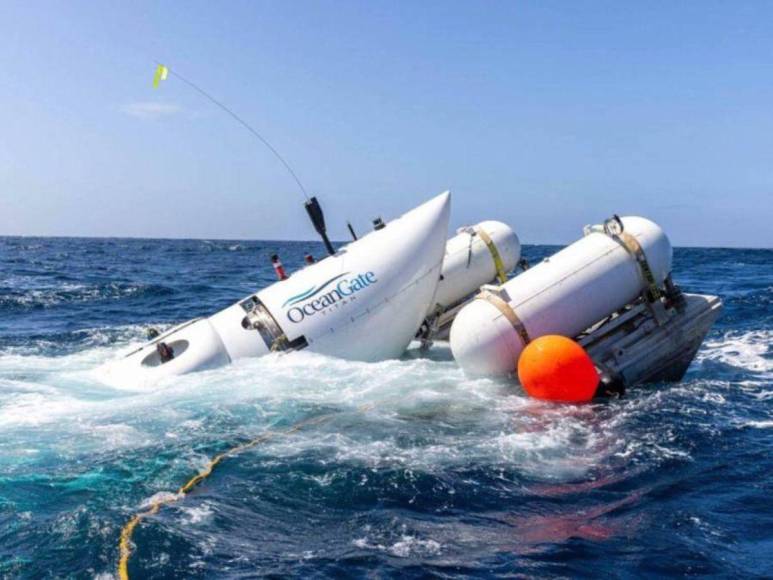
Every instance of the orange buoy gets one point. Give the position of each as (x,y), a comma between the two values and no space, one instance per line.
(556,368)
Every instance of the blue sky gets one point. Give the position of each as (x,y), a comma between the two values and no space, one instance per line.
(546,115)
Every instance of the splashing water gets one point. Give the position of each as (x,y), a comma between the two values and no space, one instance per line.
(418,470)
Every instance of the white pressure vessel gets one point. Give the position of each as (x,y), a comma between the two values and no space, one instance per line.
(366,303)
(565,294)
(471,259)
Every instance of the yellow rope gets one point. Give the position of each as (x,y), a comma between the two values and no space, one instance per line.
(124,544)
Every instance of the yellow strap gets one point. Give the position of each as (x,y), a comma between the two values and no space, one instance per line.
(500,267)
(634,248)
(507,312)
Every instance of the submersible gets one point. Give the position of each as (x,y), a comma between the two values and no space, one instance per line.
(365,302)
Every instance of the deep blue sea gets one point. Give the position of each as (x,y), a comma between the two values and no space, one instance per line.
(417,471)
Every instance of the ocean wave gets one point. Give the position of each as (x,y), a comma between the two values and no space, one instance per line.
(406,467)
(746,350)
(413,432)
(52,345)
(12,299)
(456,423)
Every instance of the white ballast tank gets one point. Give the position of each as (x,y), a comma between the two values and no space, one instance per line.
(565,294)
(474,256)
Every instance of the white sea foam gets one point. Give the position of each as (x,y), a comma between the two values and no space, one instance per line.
(405,547)
(415,414)
(759,424)
(751,350)
(373,406)
(197,514)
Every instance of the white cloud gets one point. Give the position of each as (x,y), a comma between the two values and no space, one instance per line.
(150,109)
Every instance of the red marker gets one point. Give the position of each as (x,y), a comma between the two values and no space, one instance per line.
(278,268)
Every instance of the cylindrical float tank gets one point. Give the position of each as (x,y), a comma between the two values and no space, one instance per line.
(565,294)
(470,262)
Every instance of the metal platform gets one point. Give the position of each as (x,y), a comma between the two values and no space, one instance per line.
(645,342)
(650,342)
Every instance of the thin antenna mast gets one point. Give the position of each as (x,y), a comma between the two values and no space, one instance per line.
(243,123)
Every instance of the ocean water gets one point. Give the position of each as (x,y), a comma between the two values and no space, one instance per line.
(414,470)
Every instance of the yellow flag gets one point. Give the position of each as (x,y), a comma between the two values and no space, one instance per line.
(161,73)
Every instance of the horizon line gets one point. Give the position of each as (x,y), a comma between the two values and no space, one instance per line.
(202,239)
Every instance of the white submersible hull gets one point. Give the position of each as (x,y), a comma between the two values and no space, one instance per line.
(365,303)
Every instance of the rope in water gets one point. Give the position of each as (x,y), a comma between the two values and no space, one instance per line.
(125,541)
(124,544)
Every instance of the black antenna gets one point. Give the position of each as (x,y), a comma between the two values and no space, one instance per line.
(351,230)
(243,123)
(318,221)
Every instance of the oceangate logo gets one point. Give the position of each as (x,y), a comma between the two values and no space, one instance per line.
(322,297)
(313,291)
